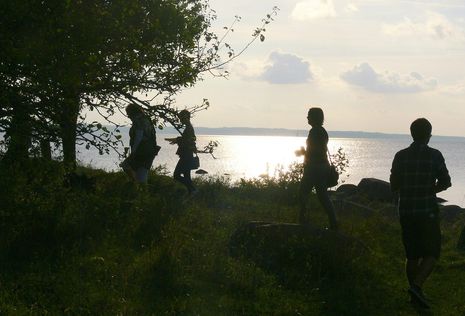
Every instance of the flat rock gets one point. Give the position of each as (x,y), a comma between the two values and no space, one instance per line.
(284,247)
(201,171)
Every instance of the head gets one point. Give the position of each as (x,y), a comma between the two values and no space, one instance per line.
(315,117)
(184,116)
(133,110)
(421,129)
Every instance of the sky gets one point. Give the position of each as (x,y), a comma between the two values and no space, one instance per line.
(371,65)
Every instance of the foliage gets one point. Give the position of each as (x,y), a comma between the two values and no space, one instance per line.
(70,57)
(340,161)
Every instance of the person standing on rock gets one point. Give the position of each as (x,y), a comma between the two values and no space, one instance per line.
(316,168)
(418,173)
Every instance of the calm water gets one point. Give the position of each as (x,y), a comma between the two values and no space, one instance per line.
(252,156)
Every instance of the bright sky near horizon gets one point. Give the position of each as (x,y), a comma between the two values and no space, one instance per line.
(372,65)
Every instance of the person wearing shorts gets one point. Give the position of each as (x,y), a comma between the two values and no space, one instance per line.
(419,172)
(186,150)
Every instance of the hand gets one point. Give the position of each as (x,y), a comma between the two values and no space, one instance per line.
(300,152)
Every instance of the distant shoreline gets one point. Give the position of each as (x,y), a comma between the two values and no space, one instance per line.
(250,131)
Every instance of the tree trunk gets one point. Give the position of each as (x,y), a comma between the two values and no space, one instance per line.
(45,149)
(19,134)
(68,127)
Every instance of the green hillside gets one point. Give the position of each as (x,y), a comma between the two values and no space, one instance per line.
(99,245)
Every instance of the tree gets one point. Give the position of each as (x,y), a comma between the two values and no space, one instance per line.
(72,56)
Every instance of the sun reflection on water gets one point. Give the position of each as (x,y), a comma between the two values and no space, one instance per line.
(252,156)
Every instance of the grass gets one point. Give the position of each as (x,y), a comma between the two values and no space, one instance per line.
(120,250)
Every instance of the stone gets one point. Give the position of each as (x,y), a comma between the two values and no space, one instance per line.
(449,213)
(375,189)
(389,211)
(347,189)
(440,200)
(201,171)
(292,249)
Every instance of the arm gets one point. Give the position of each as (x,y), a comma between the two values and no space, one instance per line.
(187,139)
(443,179)
(394,178)
(138,135)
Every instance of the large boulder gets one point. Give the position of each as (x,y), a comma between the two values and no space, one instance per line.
(293,249)
(450,213)
(375,189)
(389,211)
(347,189)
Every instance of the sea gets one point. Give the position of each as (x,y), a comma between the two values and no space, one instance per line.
(251,156)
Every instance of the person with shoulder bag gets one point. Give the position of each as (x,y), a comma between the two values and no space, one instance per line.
(317,169)
(143,145)
(187,152)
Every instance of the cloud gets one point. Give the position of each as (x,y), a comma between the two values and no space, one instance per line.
(352,7)
(454,90)
(434,26)
(286,69)
(366,77)
(313,9)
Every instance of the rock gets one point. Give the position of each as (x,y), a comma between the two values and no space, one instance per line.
(461,242)
(449,213)
(201,171)
(440,200)
(375,189)
(389,211)
(347,189)
(347,207)
(293,249)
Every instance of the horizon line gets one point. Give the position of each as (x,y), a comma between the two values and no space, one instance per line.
(278,131)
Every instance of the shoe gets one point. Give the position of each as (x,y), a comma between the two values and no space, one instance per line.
(417,296)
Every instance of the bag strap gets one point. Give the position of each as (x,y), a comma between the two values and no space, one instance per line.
(329,156)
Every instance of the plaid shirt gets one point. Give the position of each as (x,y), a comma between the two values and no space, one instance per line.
(418,173)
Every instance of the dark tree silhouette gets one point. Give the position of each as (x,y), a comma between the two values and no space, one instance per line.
(60,59)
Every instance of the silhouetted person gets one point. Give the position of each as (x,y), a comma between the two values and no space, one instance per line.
(418,173)
(316,168)
(186,149)
(143,143)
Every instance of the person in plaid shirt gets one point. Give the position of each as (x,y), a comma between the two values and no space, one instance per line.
(418,173)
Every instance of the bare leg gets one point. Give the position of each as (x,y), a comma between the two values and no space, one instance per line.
(303,200)
(323,197)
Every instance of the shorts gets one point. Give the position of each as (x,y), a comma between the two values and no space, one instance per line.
(421,235)
(142,158)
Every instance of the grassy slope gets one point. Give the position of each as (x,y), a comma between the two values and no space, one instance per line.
(123,251)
